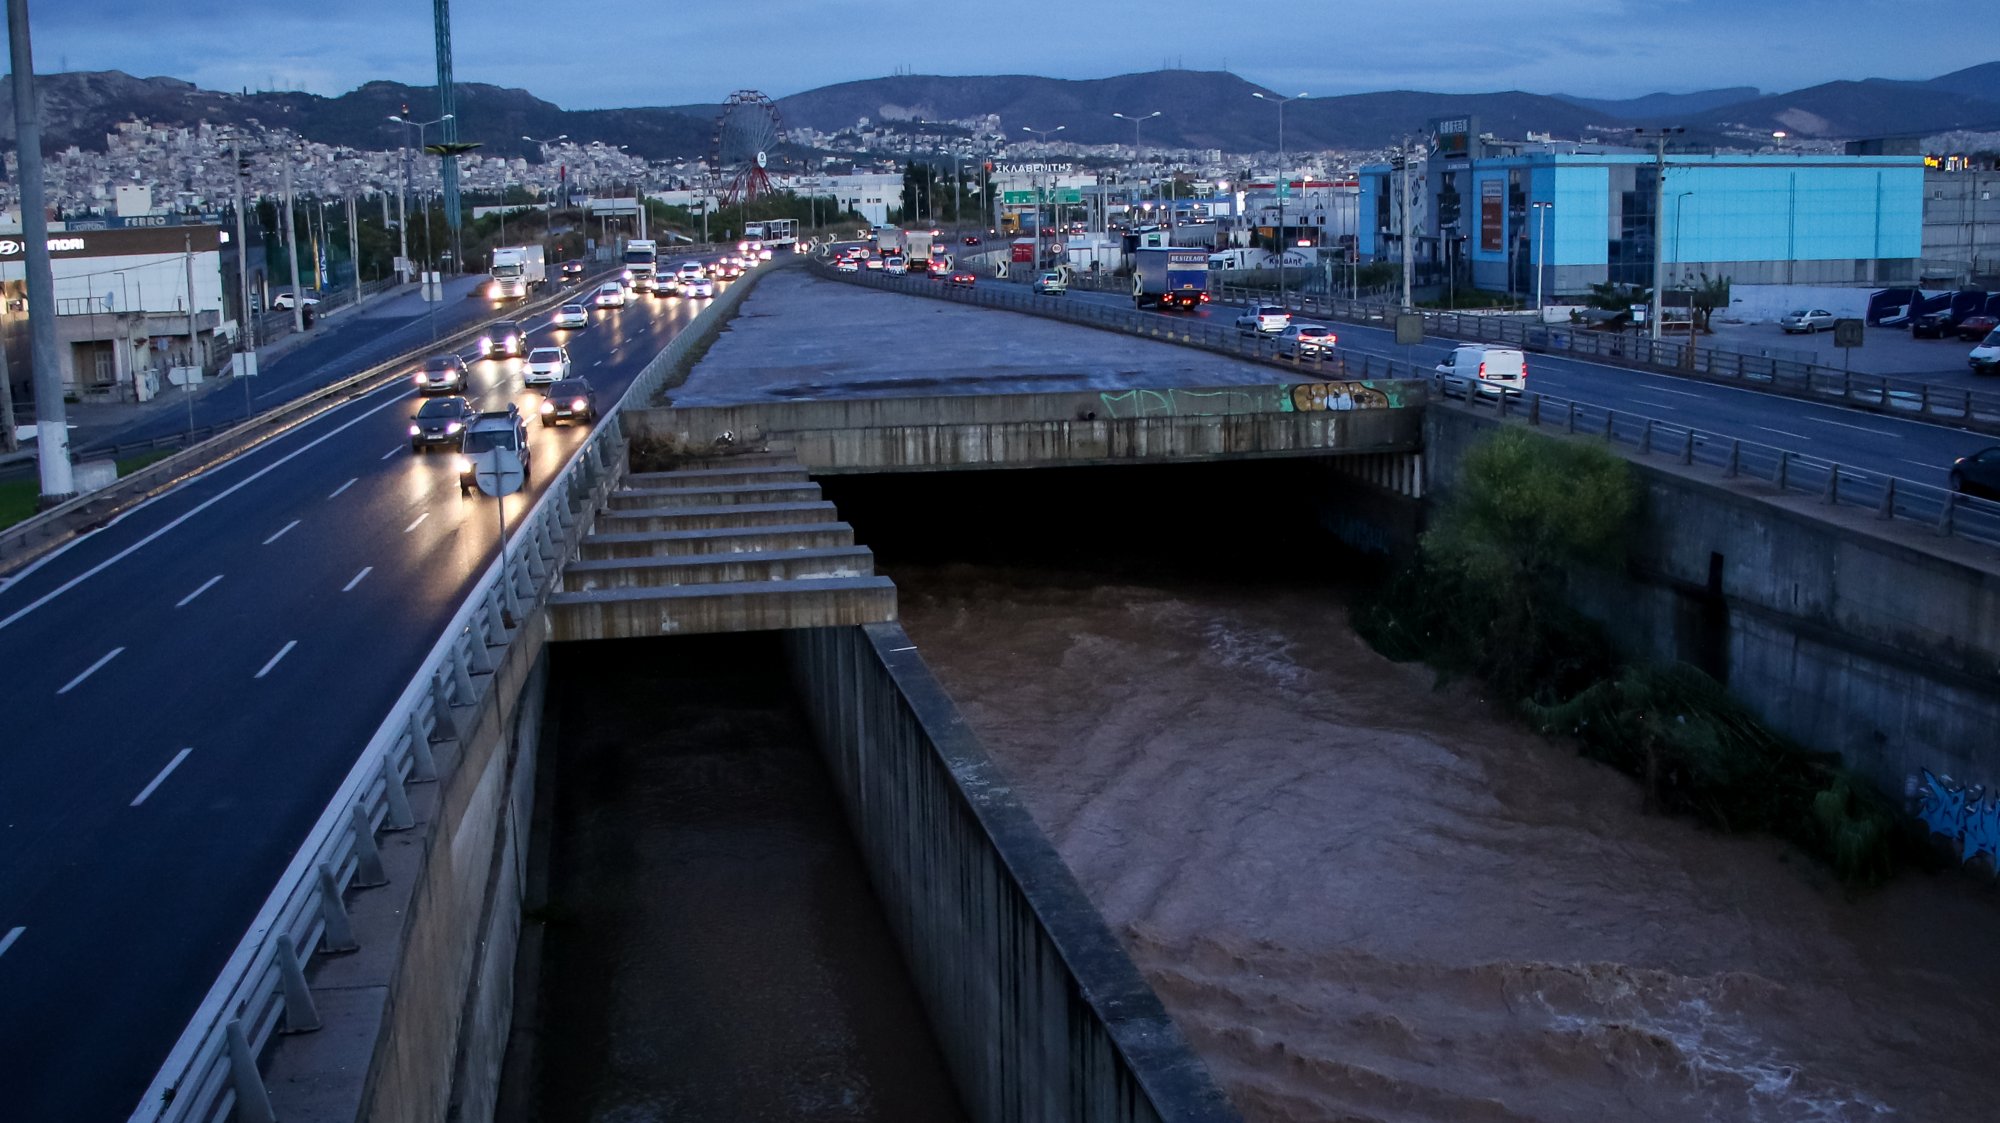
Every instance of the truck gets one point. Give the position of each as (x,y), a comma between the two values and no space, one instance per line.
(642,263)
(888,242)
(917,246)
(517,271)
(1169,278)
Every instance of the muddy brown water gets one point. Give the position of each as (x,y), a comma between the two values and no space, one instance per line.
(1364,898)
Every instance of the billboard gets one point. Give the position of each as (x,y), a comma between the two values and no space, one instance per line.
(1492,215)
(1452,136)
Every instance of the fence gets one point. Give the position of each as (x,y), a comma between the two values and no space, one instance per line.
(1946,511)
(212,1071)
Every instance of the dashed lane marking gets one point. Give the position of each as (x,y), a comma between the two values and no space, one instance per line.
(365,571)
(205,586)
(164,772)
(90,670)
(282,652)
(281,532)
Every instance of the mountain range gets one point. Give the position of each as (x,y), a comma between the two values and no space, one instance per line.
(1198,109)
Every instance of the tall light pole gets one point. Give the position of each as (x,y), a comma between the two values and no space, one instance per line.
(1137,155)
(51,425)
(1044,134)
(249,332)
(403,222)
(1284,179)
(292,250)
(1659,138)
(1541,210)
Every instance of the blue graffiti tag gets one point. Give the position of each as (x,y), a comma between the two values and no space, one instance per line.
(1964,815)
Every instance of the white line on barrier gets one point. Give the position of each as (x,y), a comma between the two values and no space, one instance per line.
(1845,425)
(281,532)
(7,941)
(1783,433)
(205,586)
(1932,465)
(171,765)
(419,522)
(344,487)
(391,452)
(90,670)
(282,652)
(365,571)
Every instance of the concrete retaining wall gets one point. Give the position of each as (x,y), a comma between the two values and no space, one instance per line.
(1039,1011)
(1871,639)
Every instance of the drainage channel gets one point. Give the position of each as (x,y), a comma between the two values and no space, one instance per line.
(709,944)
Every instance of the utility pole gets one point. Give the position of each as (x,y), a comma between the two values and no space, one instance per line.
(403,201)
(249,332)
(51,421)
(1541,252)
(354,242)
(1659,213)
(292,250)
(1409,233)
(1284,182)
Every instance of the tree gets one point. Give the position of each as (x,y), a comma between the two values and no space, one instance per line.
(1710,294)
(1614,297)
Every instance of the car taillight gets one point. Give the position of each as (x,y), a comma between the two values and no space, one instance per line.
(1482,370)
(1204,298)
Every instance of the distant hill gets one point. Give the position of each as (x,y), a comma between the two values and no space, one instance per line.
(1875,107)
(1658,106)
(1982,81)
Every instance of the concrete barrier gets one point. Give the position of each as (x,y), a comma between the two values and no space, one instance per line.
(1039,1011)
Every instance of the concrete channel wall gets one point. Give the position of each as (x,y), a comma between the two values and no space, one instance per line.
(1047,430)
(1039,1011)
(1874,639)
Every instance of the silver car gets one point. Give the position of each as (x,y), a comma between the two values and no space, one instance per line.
(1806,320)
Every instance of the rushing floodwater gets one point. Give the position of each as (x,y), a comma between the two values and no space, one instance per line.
(1365,899)
(715,952)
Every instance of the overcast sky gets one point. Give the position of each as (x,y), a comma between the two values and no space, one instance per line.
(582,55)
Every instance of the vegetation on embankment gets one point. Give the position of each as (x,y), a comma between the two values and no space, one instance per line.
(1486,596)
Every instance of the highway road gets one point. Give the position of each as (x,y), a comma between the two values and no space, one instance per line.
(1912,450)
(191,683)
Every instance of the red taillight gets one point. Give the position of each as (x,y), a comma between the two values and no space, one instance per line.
(1482,370)
(1204,298)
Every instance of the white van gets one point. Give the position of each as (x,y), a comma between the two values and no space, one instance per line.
(1476,368)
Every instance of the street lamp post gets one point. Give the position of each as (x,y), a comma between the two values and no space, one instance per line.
(1284,179)
(1044,134)
(1137,153)
(1541,210)
(403,206)
(544,146)
(1659,137)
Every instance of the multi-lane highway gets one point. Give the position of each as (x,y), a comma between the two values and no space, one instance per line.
(190,684)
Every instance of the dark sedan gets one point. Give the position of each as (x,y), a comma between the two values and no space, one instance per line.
(439,422)
(1978,474)
(1972,329)
(1931,325)
(572,399)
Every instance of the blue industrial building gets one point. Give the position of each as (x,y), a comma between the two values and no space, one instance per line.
(1585,217)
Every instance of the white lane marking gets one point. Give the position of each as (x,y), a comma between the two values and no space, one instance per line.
(1845,425)
(281,532)
(1682,393)
(7,941)
(392,452)
(171,765)
(205,586)
(365,571)
(1923,464)
(282,652)
(1661,405)
(344,487)
(419,522)
(598,363)
(1783,433)
(91,670)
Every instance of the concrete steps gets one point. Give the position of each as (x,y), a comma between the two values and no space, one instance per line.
(727,544)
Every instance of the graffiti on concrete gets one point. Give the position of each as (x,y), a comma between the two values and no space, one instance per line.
(1965,815)
(1172,402)
(1319,397)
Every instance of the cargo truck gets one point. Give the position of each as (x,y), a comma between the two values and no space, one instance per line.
(642,263)
(888,242)
(917,245)
(516,272)
(1169,278)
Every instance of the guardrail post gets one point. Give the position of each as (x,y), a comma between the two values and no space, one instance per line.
(1923,397)
(479,650)
(1846,384)
(1570,425)
(441,708)
(1735,458)
(337,937)
(423,766)
(496,621)
(253,1100)
(1535,410)
(1784,476)
(368,869)
(461,675)
(301,1016)
(1610,418)
(1887,508)
(1646,439)
(537,567)
(400,817)
(1687,448)
(1968,405)
(1832,492)
(1944,523)
(1502,408)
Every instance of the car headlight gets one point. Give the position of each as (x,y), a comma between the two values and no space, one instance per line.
(422,378)
(416,431)
(465,464)
(485,344)
(453,427)
(548,406)
(577,404)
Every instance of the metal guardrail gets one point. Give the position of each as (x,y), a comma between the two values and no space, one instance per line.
(1964,406)
(212,1074)
(1945,511)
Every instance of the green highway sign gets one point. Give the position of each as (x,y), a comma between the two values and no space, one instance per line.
(1066,195)
(1017,198)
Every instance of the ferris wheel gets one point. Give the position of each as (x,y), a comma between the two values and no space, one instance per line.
(746,132)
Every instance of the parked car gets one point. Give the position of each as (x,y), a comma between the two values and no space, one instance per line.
(486,432)
(963,280)
(1477,369)
(1050,284)
(545,364)
(282,302)
(1931,325)
(1985,358)
(611,294)
(570,316)
(1266,318)
(503,338)
(572,399)
(1978,474)
(442,373)
(1307,341)
(1806,320)
(439,421)
(1975,328)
